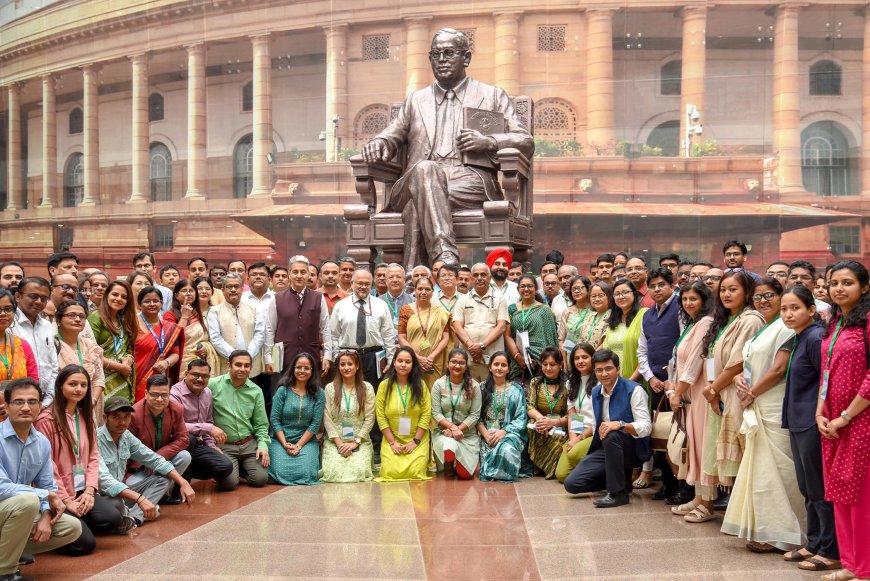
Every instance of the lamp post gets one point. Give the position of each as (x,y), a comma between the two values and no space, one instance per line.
(336,140)
(693,127)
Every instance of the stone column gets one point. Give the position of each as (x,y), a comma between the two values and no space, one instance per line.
(141,131)
(786,98)
(694,57)
(336,86)
(49,143)
(865,108)
(262,116)
(417,42)
(196,123)
(14,167)
(507,51)
(599,76)
(91,137)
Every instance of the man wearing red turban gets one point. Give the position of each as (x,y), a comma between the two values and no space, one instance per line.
(499,262)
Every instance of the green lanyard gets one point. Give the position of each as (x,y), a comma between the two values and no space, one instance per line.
(754,337)
(790,357)
(453,402)
(550,402)
(7,358)
(719,334)
(450,308)
(591,330)
(404,398)
(394,309)
(498,404)
(78,436)
(524,313)
(580,322)
(582,397)
(78,348)
(680,340)
(346,400)
(834,340)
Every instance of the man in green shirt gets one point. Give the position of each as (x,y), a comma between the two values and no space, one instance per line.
(240,411)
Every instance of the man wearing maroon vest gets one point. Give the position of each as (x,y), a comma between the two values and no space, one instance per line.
(299,319)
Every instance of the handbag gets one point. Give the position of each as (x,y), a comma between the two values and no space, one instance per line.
(678,445)
(661,428)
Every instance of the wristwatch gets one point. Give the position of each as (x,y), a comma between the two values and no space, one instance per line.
(621,425)
(845,415)
(417,441)
(357,441)
(482,346)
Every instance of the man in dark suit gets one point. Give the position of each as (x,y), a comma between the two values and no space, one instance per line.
(430,125)
(620,441)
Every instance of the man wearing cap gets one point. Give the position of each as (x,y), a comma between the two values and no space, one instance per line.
(239,410)
(117,448)
(499,262)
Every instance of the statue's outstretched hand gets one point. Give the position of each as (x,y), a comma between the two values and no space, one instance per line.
(376,150)
(474,140)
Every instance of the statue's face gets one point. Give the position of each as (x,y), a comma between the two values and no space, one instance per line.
(449,68)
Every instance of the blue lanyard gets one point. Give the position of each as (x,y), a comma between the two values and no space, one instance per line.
(161,342)
(118,341)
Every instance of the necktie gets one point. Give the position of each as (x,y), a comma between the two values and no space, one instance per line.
(448,129)
(361,330)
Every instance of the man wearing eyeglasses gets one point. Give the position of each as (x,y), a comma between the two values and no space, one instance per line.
(479,321)
(159,424)
(193,394)
(801,272)
(636,272)
(65,287)
(436,180)
(32,296)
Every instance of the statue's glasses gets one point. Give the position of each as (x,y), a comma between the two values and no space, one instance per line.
(448,54)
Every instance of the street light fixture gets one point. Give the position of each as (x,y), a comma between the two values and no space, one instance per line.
(693,127)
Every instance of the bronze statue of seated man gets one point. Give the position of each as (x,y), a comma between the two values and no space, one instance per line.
(449,166)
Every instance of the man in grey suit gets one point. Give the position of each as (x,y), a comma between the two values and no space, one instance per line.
(430,124)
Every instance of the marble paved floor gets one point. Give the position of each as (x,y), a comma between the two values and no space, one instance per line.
(442,529)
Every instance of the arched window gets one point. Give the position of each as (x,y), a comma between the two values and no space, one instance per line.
(667,137)
(672,77)
(155,107)
(161,173)
(76,121)
(555,119)
(74,181)
(826,78)
(825,163)
(248,96)
(369,122)
(243,167)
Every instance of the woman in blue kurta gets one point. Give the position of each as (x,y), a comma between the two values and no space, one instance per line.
(502,425)
(297,412)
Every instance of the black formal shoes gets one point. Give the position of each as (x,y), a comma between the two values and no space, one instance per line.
(611,500)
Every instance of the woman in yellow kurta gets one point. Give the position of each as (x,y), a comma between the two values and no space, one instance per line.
(404,410)
(624,328)
(426,329)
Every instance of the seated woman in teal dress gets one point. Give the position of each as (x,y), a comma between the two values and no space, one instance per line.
(404,410)
(349,417)
(502,425)
(456,411)
(297,412)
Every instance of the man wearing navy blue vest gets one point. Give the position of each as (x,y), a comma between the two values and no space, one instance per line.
(660,331)
(620,441)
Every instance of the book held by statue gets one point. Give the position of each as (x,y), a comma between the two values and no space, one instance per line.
(487,122)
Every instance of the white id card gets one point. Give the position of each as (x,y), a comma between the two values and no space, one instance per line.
(404,426)
(568,345)
(710,368)
(79,478)
(825,375)
(578,426)
(523,345)
(531,425)
(747,376)
(347,431)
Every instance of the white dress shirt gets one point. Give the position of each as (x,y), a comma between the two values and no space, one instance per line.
(642,423)
(258,303)
(643,343)
(509,292)
(270,315)
(224,349)
(380,331)
(559,306)
(40,337)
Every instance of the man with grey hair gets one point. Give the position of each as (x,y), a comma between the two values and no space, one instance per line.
(235,325)
(479,320)
(566,272)
(298,319)
(437,178)
(396,297)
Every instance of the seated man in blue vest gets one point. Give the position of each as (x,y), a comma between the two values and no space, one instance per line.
(620,441)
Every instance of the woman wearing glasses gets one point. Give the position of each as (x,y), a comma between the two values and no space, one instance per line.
(593,328)
(297,413)
(16,356)
(532,328)
(187,312)
(114,326)
(426,328)
(456,411)
(575,315)
(159,344)
(99,282)
(76,349)
(767,469)
(624,328)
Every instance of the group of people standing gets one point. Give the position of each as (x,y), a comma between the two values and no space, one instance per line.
(331,373)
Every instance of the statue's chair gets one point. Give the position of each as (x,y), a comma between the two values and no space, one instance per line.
(498,224)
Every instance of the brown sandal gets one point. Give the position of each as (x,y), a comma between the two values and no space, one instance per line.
(818,565)
(797,556)
(757,547)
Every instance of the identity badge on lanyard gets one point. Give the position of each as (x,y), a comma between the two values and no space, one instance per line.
(404,419)
(78,470)
(161,341)
(826,373)
(497,409)
(710,363)
(347,433)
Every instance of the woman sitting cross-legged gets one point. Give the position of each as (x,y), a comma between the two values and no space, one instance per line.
(456,410)
(547,407)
